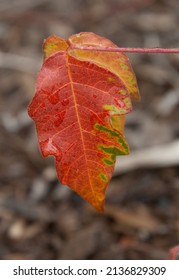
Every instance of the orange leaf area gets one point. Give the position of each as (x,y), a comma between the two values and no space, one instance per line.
(79,109)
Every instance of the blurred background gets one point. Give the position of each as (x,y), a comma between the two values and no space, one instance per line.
(40,218)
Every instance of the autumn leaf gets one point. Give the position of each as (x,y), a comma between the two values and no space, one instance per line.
(79,109)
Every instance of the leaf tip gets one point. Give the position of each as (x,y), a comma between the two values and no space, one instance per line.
(99,208)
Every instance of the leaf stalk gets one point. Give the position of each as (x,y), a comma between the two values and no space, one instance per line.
(124,50)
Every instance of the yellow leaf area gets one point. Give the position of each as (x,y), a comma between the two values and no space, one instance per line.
(79,109)
(117,63)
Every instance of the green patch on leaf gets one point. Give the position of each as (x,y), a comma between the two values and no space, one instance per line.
(127,102)
(103,177)
(124,144)
(108,162)
(122,91)
(124,66)
(132,81)
(114,109)
(103,128)
(112,150)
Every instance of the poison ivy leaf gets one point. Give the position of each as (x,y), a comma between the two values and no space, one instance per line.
(79,109)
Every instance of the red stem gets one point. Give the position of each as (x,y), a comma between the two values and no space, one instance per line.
(130,50)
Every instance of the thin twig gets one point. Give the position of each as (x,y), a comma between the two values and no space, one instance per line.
(129,50)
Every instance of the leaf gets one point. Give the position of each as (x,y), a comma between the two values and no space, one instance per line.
(79,109)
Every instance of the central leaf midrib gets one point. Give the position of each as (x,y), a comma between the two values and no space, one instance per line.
(78,119)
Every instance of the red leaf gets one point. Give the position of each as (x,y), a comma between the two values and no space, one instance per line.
(79,109)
